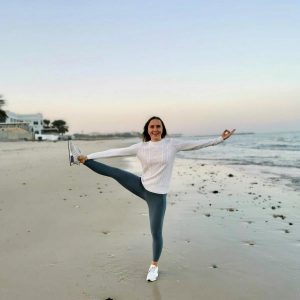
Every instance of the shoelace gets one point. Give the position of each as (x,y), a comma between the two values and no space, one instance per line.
(152,270)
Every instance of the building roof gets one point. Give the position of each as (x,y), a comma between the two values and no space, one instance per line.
(24,117)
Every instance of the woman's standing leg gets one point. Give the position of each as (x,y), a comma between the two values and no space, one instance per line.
(157,208)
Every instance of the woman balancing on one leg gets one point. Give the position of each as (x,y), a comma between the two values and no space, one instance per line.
(156,154)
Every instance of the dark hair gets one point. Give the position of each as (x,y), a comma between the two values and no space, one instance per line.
(146,136)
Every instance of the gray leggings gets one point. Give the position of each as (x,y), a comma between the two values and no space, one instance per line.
(156,202)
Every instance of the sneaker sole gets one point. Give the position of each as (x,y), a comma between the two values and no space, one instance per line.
(152,280)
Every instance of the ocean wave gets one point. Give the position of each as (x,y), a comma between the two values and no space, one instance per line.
(252,160)
(276,147)
(261,163)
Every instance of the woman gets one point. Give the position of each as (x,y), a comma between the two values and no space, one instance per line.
(156,155)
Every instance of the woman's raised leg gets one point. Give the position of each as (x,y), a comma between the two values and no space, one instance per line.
(128,180)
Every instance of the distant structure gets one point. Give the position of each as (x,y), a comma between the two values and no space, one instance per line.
(26,127)
(34,121)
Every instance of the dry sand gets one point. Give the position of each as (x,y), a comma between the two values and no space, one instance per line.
(67,233)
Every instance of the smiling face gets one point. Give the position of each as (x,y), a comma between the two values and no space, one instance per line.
(155,130)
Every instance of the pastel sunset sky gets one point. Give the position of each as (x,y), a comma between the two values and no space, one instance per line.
(107,66)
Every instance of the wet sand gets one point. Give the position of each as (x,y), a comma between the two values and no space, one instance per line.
(68,233)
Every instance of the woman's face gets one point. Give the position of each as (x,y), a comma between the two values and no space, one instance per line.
(155,130)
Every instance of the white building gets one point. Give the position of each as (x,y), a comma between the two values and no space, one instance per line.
(34,121)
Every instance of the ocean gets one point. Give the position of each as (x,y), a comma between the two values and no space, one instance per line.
(272,154)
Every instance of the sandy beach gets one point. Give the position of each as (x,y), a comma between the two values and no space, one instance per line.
(67,233)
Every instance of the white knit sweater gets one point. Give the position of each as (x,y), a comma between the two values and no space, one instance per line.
(157,159)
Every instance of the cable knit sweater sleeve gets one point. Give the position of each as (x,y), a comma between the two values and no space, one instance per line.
(195,145)
(128,151)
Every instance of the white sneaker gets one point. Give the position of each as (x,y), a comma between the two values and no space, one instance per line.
(152,273)
(74,152)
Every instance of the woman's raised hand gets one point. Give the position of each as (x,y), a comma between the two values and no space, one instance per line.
(82,158)
(227,133)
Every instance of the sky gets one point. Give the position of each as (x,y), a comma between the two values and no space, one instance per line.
(108,65)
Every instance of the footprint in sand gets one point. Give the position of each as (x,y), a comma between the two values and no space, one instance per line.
(249,243)
(248,222)
(279,216)
(230,209)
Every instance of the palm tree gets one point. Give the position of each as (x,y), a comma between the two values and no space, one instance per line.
(61,125)
(46,123)
(3,114)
